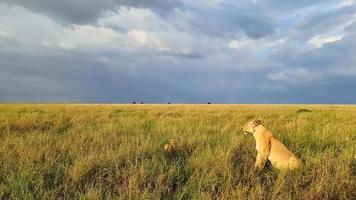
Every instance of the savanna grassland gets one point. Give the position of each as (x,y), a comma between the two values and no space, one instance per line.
(116,152)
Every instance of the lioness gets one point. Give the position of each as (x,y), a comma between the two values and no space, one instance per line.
(268,147)
(171,145)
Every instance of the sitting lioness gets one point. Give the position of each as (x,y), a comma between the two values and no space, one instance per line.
(268,147)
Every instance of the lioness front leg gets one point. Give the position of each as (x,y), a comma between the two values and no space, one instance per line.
(263,151)
(260,161)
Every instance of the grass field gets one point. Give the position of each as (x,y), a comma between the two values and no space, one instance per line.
(115,152)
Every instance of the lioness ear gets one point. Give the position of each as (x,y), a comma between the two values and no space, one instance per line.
(257,122)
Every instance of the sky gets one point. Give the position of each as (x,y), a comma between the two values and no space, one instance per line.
(178,51)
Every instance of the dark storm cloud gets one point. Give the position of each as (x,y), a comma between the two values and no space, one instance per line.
(229,20)
(228,52)
(67,76)
(213,21)
(83,11)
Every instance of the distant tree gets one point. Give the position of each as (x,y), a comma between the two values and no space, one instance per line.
(134,102)
(169,102)
(209,102)
(141,102)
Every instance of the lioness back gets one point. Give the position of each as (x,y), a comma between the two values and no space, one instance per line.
(281,157)
(294,163)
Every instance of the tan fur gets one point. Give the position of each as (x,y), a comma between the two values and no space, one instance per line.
(268,147)
(171,145)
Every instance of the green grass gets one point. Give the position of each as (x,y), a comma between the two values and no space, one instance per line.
(115,152)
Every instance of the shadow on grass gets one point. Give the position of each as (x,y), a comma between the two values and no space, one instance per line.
(177,172)
(242,166)
(59,126)
(108,178)
(31,111)
(353,167)
(150,171)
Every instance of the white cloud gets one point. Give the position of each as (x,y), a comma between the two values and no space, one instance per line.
(143,38)
(144,28)
(133,18)
(348,2)
(241,44)
(258,45)
(87,36)
(4,33)
(318,40)
(127,29)
(277,76)
(46,43)
(204,3)
(28,28)
(276,42)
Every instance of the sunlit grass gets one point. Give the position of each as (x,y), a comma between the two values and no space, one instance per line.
(116,152)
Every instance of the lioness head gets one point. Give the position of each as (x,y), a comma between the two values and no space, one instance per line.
(171,145)
(250,126)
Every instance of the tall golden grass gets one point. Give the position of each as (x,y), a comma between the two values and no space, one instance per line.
(116,152)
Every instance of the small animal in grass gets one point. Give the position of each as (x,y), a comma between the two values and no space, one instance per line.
(269,147)
(171,146)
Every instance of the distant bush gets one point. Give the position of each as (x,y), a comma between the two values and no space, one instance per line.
(303,110)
